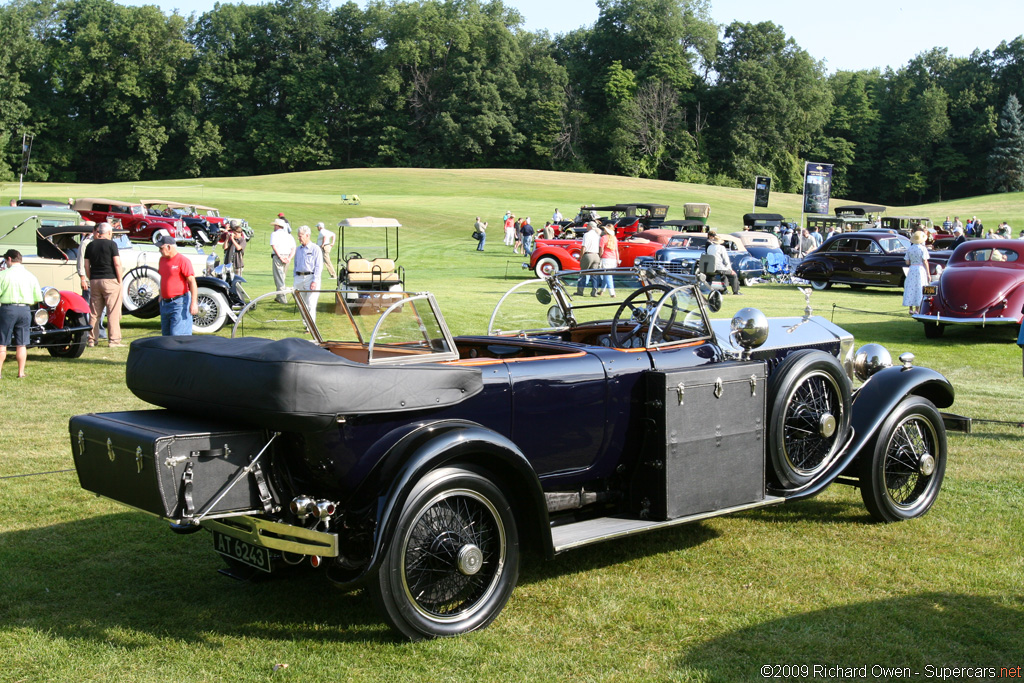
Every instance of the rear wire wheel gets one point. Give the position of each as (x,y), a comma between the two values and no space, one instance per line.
(453,560)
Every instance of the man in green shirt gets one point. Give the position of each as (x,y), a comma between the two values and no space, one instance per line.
(19,289)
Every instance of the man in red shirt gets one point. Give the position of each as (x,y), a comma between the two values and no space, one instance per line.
(178,301)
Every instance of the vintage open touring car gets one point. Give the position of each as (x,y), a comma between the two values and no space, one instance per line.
(391,455)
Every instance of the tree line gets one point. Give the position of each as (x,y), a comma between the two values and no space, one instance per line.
(653,89)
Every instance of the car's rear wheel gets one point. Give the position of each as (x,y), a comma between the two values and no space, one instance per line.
(933,330)
(809,402)
(901,478)
(76,345)
(820,285)
(138,287)
(212,311)
(546,266)
(453,559)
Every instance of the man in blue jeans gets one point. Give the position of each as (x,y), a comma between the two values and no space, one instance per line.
(178,301)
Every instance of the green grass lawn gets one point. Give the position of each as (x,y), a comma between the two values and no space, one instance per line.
(92,591)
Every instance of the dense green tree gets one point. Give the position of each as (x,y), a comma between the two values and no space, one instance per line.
(1006,163)
(17,51)
(772,102)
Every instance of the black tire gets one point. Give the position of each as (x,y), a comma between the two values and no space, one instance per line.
(820,286)
(901,476)
(933,330)
(76,345)
(138,287)
(546,265)
(809,419)
(213,311)
(453,560)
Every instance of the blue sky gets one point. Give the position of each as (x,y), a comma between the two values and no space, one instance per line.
(854,35)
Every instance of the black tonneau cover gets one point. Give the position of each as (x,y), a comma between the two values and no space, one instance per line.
(285,385)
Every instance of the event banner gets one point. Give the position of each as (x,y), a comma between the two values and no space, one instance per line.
(762,188)
(817,187)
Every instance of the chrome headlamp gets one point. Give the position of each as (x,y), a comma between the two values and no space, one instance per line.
(51,297)
(870,359)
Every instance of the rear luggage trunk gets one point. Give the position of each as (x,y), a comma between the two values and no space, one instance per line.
(172,465)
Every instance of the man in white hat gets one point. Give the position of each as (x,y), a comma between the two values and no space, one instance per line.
(723,266)
(325,240)
(282,246)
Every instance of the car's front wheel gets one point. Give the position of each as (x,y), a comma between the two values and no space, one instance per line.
(901,477)
(547,265)
(212,313)
(76,344)
(453,560)
(809,403)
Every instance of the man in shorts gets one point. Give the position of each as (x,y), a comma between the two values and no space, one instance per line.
(19,290)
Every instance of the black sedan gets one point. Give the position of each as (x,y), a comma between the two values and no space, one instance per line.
(868,258)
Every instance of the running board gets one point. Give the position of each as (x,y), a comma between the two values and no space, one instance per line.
(578,534)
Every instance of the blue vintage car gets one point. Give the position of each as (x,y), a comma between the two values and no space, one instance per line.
(389,454)
(682,255)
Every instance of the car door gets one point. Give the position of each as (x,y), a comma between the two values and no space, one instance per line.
(559,411)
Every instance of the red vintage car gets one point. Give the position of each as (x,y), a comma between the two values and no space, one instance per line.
(141,226)
(550,256)
(983,284)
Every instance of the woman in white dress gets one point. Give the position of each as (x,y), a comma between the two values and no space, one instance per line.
(917,273)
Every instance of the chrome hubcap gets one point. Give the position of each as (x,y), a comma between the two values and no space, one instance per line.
(827,425)
(927,464)
(470,559)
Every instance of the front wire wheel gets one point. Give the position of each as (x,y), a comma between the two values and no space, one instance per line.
(809,402)
(453,559)
(902,477)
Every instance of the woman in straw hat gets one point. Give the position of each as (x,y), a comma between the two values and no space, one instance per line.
(917,273)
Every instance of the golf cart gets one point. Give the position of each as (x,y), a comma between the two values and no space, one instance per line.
(365,269)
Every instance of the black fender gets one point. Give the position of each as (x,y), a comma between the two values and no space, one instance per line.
(814,269)
(214,283)
(872,403)
(438,444)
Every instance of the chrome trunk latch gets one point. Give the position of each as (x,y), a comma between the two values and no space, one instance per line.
(138,458)
(718,387)
(679,391)
(753,385)
(81,442)
(110,449)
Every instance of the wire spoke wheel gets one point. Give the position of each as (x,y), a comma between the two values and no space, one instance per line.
(453,559)
(902,477)
(453,553)
(810,409)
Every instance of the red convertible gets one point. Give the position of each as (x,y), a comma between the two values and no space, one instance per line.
(551,256)
(983,284)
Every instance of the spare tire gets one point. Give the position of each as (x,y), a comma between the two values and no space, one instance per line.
(809,402)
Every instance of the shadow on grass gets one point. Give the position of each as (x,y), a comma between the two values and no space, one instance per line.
(918,631)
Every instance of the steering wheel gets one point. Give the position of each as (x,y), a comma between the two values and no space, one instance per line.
(352,254)
(641,305)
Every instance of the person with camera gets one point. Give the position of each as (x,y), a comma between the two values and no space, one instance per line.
(480,231)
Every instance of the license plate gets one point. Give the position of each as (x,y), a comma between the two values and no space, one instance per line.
(246,553)
(929,289)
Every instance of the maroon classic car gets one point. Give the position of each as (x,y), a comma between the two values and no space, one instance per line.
(141,226)
(983,284)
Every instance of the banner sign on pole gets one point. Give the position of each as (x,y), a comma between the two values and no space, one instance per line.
(762,188)
(817,187)
(26,151)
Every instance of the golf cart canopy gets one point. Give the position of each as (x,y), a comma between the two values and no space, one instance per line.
(369,222)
